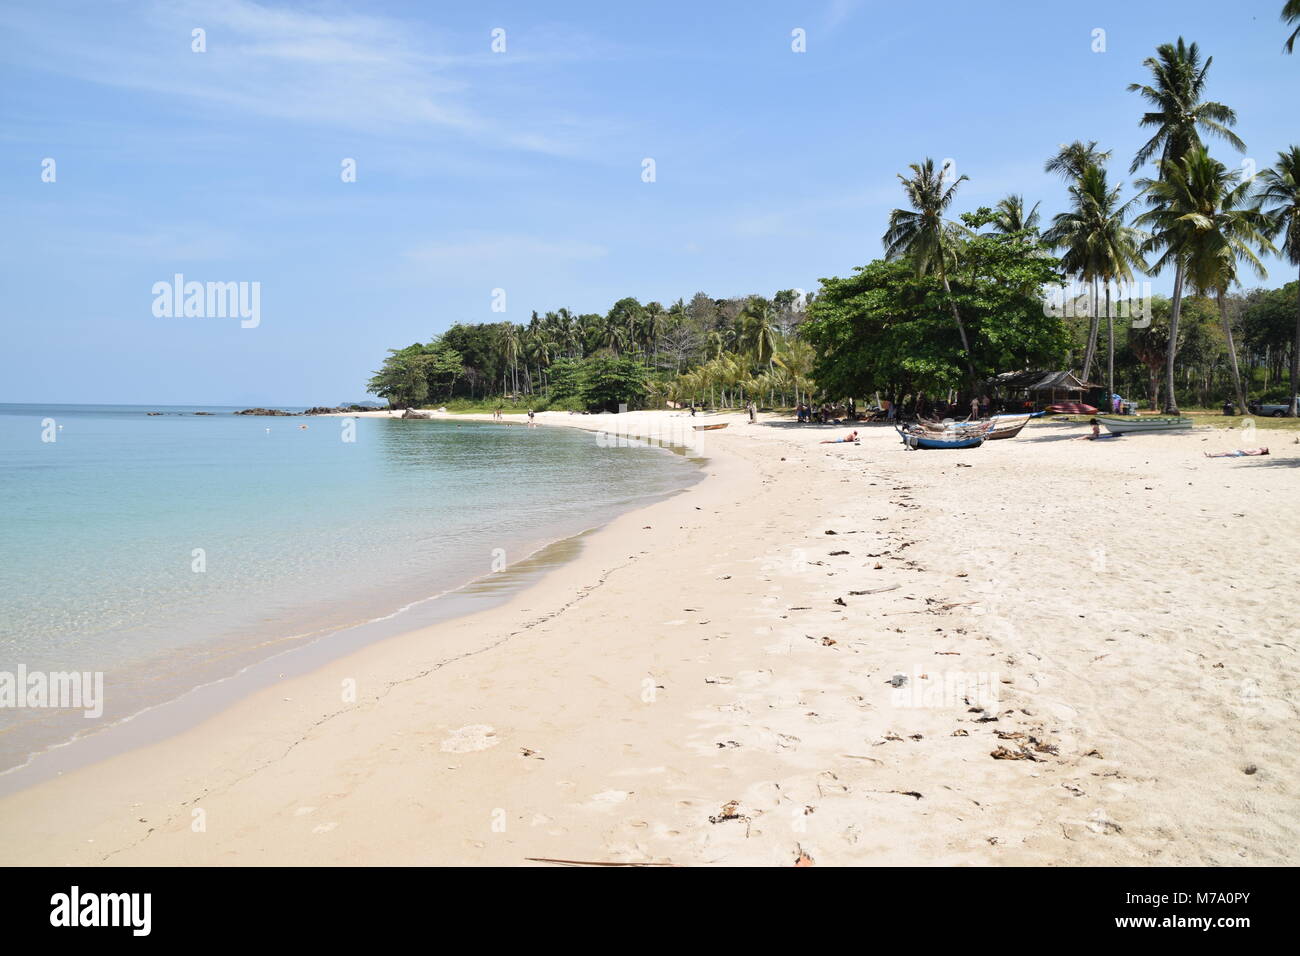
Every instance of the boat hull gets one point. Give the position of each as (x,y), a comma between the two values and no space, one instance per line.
(1139,424)
(915,440)
(1007,426)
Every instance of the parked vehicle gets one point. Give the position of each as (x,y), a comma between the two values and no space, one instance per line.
(1270,410)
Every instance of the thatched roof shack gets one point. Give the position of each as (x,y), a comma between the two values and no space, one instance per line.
(1036,389)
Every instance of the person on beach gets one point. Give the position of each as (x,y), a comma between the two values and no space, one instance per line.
(850,437)
(1239,453)
(531,423)
(752,412)
(1096,431)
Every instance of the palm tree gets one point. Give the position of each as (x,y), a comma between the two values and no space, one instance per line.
(922,234)
(1182,202)
(760,319)
(654,322)
(1221,230)
(797,359)
(1279,200)
(1098,247)
(1178,114)
(1010,215)
(1073,158)
(511,347)
(1291,14)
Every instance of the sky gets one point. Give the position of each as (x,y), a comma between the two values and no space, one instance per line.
(520,168)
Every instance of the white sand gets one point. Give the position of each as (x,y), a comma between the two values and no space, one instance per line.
(688,691)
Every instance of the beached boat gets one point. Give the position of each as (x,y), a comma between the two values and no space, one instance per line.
(1071,408)
(709,428)
(915,438)
(1007,426)
(1127,424)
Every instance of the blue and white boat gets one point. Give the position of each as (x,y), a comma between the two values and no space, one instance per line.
(957,438)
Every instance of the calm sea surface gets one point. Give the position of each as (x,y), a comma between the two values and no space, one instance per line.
(170,551)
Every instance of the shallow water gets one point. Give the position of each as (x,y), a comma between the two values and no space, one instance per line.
(171,551)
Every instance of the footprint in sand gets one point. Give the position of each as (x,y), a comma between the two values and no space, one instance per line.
(470,738)
(303,811)
(324,828)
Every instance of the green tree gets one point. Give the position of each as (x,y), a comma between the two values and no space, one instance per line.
(1073,158)
(403,379)
(1291,14)
(1010,215)
(1279,199)
(928,240)
(1099,246)
(609,381)
(1200,225)
(1224,230)
(887,327)
(1177,112)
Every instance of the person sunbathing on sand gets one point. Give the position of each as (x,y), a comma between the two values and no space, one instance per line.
(850,437)
(1239,453)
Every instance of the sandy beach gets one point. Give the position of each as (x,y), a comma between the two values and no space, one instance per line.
(845,654)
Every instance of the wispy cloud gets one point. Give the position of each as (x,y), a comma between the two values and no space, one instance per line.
(323,67)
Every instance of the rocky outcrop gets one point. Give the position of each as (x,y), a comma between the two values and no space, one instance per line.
(412,413)
(316,410)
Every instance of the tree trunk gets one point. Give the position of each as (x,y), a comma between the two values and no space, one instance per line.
(1171,402)
(1295,362)
(1094,324)
(1232,354)
(961,329)
(1110,351)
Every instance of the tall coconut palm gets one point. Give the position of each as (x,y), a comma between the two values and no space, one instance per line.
(1177,113)
(1073,158)
(1010,216)
(1177,214)
(1291,14)
(760,318)
(1279,199)
(924,235)
(654,321)
(1221,230)
(512,349)
(1098,246)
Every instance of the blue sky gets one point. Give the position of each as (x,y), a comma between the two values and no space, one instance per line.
(518,170)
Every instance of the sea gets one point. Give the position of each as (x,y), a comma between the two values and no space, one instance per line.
(172,552)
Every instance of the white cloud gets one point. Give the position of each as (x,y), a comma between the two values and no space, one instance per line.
(324,67)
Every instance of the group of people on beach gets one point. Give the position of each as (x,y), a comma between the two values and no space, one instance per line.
(499,416)
(826,413)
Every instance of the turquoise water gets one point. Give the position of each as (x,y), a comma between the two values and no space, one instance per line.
(297,532)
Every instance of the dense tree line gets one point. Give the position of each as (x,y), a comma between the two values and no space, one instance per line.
(689,350)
